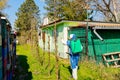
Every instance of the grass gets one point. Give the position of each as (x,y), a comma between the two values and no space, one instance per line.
(31,68)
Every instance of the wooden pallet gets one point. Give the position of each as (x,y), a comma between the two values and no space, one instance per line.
(114,58)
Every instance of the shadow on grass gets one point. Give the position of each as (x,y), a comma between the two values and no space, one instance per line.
(22,72)
(69,69)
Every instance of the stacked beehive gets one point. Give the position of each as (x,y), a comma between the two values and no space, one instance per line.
(6,50)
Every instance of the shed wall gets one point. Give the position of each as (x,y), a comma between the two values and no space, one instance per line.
(111,43)
(81,34)
(96,47)
(59,34)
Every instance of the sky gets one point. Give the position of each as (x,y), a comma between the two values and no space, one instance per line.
(15,4)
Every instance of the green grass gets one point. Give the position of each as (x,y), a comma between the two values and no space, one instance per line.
(31,65)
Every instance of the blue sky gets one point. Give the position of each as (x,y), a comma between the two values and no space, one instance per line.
(15,4)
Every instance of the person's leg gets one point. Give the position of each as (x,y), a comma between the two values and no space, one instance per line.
(72,62)
(73,67)
(75,64)
(74,73)
(77,57)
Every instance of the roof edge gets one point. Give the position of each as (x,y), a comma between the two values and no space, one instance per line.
(62,20)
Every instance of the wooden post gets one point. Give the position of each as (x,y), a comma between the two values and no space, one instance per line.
(55,40)
(48,50)
(43,38)
(56,53)
(87,35)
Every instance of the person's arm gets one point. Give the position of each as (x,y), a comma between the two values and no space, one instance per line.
(68,43)
(64,42)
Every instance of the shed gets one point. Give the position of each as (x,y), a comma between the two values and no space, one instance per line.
(97,37)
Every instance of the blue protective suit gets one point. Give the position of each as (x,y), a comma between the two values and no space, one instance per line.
(74,59)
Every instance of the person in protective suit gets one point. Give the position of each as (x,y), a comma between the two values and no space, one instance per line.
(74,58)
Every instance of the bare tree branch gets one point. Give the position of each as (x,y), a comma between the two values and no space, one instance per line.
(108,8)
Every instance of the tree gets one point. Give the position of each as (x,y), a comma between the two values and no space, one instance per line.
(27,22)
(66,9)
(3,4)
(109,8)
(26,13)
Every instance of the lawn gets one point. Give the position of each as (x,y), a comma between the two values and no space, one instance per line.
(30,67)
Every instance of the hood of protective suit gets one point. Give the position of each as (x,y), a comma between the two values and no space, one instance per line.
(73,36)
